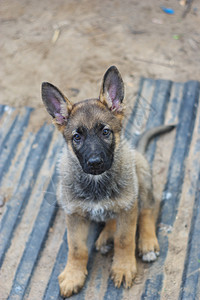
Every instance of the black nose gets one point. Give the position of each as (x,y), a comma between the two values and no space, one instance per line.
(95,161)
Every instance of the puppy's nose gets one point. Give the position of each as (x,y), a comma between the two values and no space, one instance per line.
(95,161)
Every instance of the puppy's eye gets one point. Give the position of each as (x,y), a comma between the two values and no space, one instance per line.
(77,137)
(105,131)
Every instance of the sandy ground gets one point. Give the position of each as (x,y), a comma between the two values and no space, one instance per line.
(71,44)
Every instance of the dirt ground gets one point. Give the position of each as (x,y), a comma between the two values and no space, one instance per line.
(71,44)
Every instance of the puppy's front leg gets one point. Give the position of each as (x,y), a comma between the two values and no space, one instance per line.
(72,278)
(124,267)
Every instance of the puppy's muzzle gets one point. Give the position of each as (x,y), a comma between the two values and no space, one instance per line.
(95,161)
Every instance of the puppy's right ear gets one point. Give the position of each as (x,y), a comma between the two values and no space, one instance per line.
(112,90)
(57,105)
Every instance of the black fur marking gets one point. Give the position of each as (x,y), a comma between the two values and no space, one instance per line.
(96,147)
(87,188)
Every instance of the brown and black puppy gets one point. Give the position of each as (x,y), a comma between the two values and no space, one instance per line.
(101,179)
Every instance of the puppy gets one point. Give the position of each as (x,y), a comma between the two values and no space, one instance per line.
(103,179)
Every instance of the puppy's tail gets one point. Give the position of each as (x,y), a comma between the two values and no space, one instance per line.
(149,134)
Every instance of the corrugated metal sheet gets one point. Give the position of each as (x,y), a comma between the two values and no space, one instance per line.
(33,240)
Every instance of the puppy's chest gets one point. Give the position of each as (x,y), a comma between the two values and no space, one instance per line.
(100,200)
(97,189)
(99,213)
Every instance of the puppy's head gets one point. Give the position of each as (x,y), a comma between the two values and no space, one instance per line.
(91,127)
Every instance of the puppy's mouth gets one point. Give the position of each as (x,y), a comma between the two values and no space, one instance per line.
(94,171)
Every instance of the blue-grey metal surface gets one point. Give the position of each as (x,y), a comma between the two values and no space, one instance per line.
(32,225)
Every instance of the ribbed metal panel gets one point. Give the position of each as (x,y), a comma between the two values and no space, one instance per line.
(32,225)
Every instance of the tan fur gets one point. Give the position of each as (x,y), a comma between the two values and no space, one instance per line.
(61,128)
(124,268)
(73,277)
(147,236)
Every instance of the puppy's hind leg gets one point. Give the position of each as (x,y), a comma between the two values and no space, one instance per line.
(105,240)
(148,244)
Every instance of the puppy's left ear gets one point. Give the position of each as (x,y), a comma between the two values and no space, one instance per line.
(112,90)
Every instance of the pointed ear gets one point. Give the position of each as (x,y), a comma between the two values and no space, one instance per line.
(57,105)
(112,90)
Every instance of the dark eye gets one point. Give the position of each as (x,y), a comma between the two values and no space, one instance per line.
(76,137)
(105,131)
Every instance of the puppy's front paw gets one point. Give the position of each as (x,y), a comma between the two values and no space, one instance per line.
(71,281)
(124,273)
